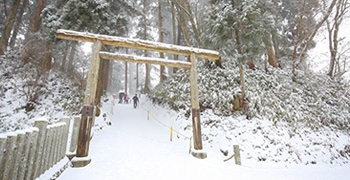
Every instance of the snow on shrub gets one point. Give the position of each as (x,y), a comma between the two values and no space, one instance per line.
(314,100)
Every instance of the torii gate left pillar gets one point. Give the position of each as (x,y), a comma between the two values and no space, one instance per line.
(88,112)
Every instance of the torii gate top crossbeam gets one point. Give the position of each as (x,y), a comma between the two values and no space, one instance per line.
(137,44)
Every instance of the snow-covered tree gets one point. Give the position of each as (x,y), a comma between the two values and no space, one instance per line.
(240,29)
(101,17)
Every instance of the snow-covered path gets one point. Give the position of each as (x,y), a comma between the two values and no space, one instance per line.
(135,148)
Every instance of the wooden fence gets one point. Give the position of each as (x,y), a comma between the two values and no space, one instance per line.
(29,153)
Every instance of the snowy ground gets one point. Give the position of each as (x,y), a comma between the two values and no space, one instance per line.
(137,146)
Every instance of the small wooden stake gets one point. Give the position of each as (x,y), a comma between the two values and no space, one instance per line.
(171,133)
(237,154)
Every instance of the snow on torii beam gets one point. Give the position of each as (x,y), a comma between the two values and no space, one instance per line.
(137,44)
(146,60)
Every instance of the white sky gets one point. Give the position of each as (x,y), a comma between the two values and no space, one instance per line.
(319,56)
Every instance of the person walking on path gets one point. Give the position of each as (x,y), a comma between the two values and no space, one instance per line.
(136,100)
(126,98)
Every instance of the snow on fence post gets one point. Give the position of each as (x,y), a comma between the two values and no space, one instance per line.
(24,155)
(29,173)
(29,153)
(60,141)
(55,144)
(64,146)
(74,137)
(17,154)
(53,148)
(42,125)
(46,150)
(8,160)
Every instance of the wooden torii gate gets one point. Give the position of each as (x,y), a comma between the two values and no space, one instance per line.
(88,111)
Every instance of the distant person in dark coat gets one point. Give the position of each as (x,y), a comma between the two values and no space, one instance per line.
(136,100)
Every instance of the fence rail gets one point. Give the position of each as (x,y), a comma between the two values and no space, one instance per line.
(29,153)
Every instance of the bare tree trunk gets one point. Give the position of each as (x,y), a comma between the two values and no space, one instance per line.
(103,80)
(35,20)
(275,45)
(183,24)
(173,21)
(70,67)
(317,27)
(271,56)
(296,42)
(110,87)
(148,67)
(46,59)
(333,32)
(148,78)
(185,10)
(10,20)
(5,8)
(36,48)
(240,99)
(126,74)
(137,77)
(162,76)
(18,23)
(64,59)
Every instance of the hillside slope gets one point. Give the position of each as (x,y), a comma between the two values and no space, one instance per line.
(287,122)
(26,94)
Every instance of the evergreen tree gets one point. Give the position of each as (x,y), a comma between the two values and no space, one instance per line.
(101,17)
(240,29)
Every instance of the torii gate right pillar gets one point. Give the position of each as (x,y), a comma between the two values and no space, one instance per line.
(196,123)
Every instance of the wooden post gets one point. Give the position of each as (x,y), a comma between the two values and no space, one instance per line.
(32,152)
(2,153)
(24,155)
(42,125)
(74,138)
(237,154)
(66,130)
(8,160)
(47,149)
(197,134)
(52,149)
(56,144)
(17,154)
(88,112)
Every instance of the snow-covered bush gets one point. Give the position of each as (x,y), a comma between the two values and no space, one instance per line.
(25,94)
(314,100)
